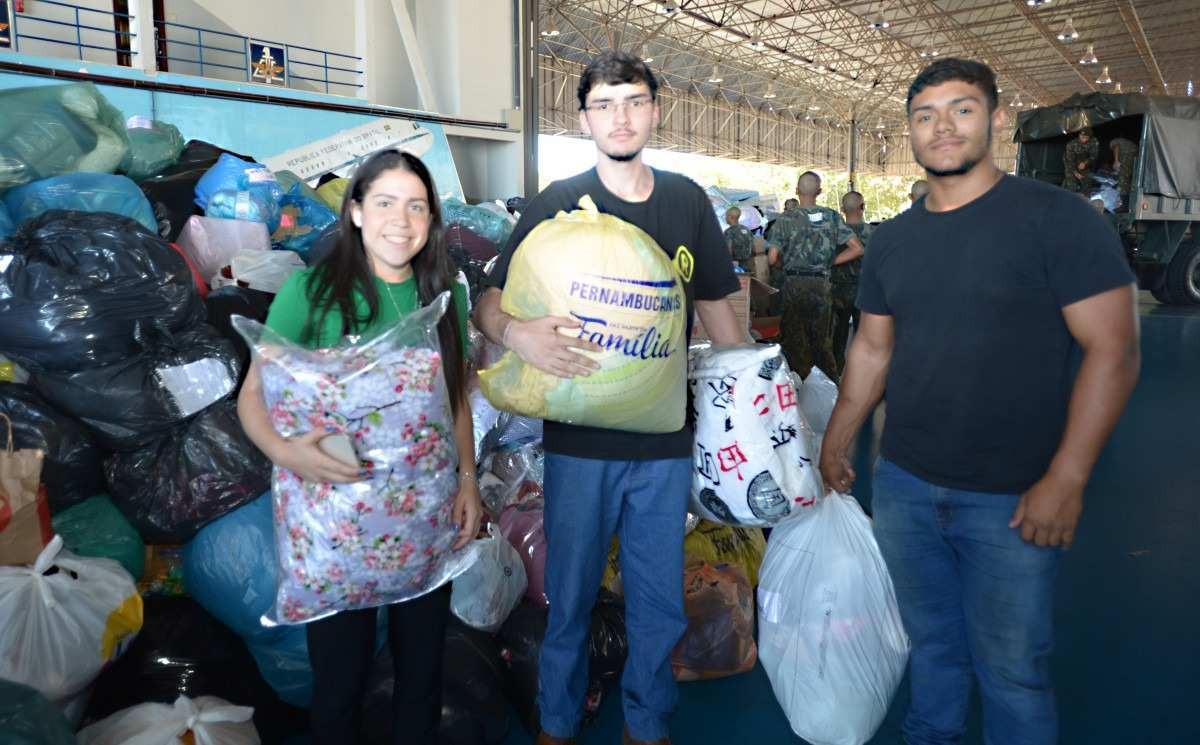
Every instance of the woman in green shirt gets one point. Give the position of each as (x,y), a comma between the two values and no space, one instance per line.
(390,259)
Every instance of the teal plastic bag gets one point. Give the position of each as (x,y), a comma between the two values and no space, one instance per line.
(231,173)
(152,149)
(51,129)
(255,205)
(27,718)
(7,226)
(81,192)
(96,528)
(482,222)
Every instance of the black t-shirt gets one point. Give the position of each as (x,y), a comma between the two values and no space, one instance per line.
(678,213)
(981,372)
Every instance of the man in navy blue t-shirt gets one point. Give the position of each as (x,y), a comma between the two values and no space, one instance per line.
(974,304)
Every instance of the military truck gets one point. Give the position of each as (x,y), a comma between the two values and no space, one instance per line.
(1160,224)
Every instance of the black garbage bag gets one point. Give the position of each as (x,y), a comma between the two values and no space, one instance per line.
(27,718)
(172,192)
(193,475)
(521,647)
(182,650)
(224,303)
(474,709)
(78,288)
(135,402)
(471,254)
(73,469)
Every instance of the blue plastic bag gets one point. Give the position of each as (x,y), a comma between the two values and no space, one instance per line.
(81,192)
(301,220)
(7,226)
(229,568)
(255,205)
(231,173)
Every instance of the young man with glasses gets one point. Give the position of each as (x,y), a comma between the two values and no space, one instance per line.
(599,482)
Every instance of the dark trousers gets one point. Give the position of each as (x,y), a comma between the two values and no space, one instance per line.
(845,313)
(341,648)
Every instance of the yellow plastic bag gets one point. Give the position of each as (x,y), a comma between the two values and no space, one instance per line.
(332,193)
(724,544)
(623,288)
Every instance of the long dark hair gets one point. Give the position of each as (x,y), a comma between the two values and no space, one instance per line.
(345,270)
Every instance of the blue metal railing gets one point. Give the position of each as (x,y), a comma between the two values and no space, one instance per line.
(21,21)
(229,51)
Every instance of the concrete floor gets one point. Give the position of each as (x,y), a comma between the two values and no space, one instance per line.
(1127,661)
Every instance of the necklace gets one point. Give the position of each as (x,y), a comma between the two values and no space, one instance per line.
(388,291)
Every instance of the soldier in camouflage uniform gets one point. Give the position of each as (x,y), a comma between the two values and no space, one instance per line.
(1124,154)
(739,240)
(804,242)
(777,278)
(843,280)
(1078,160)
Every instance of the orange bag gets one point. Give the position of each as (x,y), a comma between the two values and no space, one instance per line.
(24,510)
(719,640)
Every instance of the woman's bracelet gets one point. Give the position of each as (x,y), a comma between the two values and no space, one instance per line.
(467,475)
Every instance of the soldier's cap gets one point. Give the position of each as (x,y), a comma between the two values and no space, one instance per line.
(1086,131)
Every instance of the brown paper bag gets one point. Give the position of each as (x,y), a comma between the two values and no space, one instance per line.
(24,511)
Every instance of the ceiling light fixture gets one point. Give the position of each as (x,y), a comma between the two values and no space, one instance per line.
(668,8)
(1037,3)
(770,91)
(1016,102)
(880,125)
(646,57)
(1068,32)
(756,43)
(1117,88)
(876,20)
(1104,78)
(929,53)
(716,76)
(1089,57)
(551,30)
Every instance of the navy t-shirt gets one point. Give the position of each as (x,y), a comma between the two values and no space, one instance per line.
(677,213)
(981,372)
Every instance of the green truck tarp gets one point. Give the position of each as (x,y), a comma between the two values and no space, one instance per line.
(1170,147)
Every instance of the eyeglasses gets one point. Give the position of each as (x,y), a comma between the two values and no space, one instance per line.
(608,108)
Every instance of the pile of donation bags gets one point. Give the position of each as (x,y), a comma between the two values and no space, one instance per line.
(120,274)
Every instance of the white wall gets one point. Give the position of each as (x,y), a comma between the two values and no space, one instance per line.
(319,24)
(468,51)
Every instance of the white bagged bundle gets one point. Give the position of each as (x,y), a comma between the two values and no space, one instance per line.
(211,242)
(485,594)
(755,464)
(259,270)
(63,619)
(818,395)
(389,537)
(829,631)
(210,720)
(626,294)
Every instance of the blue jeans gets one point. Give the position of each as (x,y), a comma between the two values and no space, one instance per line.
(977,602)
(645,504)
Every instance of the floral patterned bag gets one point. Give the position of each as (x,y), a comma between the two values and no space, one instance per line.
(387,538)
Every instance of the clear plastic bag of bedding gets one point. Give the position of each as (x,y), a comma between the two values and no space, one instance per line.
(387,538)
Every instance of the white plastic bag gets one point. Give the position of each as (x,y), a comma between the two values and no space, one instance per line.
(818,394)
(754,463)
(63,619)
(211,721)
(485,594)
(212,242)
(829,631)
(259,270)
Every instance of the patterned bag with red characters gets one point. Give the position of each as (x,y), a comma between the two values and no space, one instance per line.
(386,538)
(755,463)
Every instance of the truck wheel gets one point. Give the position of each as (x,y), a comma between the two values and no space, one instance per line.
(1183,275)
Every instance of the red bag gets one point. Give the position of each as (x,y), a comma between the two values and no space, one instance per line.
(24,509)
